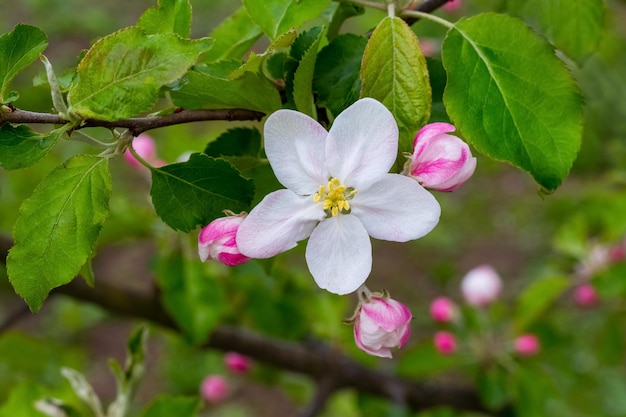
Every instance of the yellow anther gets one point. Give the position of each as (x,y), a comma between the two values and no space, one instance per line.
(334,197)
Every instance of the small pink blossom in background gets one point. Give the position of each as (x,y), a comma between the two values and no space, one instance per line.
(585,295)
(381,323)
(617,252)
(214,388)
(237,362)
(445,342)
(217,240)
(442,309)
(429,47)
(146,148)
(452,5)
(440,161)
(481,286)
(527,345)
(597,259)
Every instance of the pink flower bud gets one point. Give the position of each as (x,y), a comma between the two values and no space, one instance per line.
(445,342)
(481,286)
(585,295)
(597,259)
(214,388)
(442,309)
(217,240)
(381,323)
(440,161)
(617,252)
(145,147)
(527,345)
(452,5)
(237,363)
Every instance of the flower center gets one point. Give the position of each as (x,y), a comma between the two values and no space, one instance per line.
(334,197)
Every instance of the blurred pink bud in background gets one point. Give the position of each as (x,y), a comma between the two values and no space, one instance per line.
(440,161)
(481,286)
(237,362)
(442,309)
(217,240)
(381,323)
(585,295)
(452,5)
(445,342)
(527,345)
(145,147)
(214,388)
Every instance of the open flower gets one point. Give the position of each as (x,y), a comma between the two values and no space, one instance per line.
(339,193)
(440,161)
(381,323)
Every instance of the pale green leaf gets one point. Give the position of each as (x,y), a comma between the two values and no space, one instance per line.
(536,298)
(511,97)
(122,73)
(170,16)
(20,147)
(193,193)
(209,86)
(18,49)
(303,77)
(277,16)
(233,37)
(57,227)
(394,72)
(194,300)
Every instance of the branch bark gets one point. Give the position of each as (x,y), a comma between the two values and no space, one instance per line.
(322,363)
(135,125)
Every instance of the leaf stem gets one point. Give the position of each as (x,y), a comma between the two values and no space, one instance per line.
(371,4)
(432,18)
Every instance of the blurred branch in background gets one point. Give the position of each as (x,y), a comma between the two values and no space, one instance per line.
(331,369)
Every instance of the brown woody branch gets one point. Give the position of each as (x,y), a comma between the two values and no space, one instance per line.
(331,368)
(135,125)
(427,6)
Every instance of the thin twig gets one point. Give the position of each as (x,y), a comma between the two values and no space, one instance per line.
(135,125)
(427,6)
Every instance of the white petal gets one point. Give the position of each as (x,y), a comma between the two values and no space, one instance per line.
(295,146)
(396,208)
(277,224)
(339,254)
(362,143)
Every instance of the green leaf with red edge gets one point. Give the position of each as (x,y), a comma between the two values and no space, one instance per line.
(519,103)
(394,72)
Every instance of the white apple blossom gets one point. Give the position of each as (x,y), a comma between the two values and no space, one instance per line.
(339,193)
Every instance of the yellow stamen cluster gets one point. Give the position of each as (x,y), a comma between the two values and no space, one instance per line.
(334,197)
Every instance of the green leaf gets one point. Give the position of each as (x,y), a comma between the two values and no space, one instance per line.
(424,360)
(255,61)
(20,147)
(343,12)
(192,193)
(493,386)
(168,406)
(303,77)
(122,73)
(209,86)
(233,37)
(518,103)
(195,301)
(337,80)
(277,16)
(170,16)
(536,298)
(18,49)
(394,72)
(575,27)
(22,400)
(57,227)
(239,141)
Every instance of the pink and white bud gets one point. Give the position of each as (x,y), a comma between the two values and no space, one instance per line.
(443,310)
(214,389)
(145,147)
(585,295)
(440,161)
(217,240)
(597,259)
(237,362)
(481,286)
(452,5)
(527,345)
(381,323)
(445,342)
